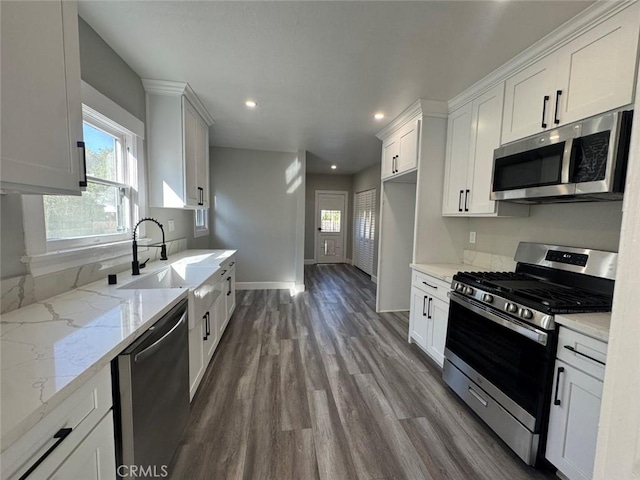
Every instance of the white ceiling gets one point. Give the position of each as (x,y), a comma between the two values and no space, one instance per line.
(320,70)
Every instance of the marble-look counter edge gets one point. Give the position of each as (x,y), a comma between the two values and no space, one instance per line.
(595,325)
(171,297)
(445,271)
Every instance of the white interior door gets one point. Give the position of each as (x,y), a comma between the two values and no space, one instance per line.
(331,209)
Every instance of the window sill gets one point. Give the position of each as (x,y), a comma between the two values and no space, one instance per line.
(203,232)
(108,254)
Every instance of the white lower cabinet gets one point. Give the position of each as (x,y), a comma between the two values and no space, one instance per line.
(429,315)
(95,457)
(214,305)
(575,405)
(438,320)
(80,428)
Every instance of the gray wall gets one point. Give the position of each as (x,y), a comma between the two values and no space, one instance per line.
(315,182)
(368,179)
(11,237)
(255,211)
(594,225)
(105,71)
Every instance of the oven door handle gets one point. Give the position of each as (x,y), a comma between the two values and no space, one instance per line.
(531,333)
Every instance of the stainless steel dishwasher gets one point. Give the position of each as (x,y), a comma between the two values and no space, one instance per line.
(152,399)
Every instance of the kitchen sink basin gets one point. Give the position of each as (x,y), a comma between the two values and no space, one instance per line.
(173,276)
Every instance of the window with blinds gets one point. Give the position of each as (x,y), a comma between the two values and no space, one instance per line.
(364,230)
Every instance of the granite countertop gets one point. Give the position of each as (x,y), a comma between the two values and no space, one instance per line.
(50,348)
(446,271)
(594,325)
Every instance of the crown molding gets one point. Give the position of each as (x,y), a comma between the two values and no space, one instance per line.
(565,33)
(166,87)
(419,108)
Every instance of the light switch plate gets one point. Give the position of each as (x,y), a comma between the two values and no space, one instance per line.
(472,237)
(172,225)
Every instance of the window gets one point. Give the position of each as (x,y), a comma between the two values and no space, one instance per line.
(201,220)
(103,214)
(330,221)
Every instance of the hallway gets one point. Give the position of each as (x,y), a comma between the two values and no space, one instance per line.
(320,386)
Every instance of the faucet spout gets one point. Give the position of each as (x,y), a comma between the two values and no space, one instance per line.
(135,264)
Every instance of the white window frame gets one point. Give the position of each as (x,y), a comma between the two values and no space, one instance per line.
(129,183)
(44,256)
(201,230)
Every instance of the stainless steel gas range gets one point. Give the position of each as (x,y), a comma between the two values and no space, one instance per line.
(502,337)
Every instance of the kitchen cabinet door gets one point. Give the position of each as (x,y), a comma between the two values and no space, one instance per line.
(418,324)
(528,102)
(438,312)
(457,160)
(202,161)
(230,294)
(408,138)
(390,149)
(573,424)
(191,186)
(486,117)
(41,102)
(596,71)
(219,310)
(94,458)
(197,339)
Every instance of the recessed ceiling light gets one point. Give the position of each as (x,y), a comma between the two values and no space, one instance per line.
(379,116)
(333,167)
(251,103)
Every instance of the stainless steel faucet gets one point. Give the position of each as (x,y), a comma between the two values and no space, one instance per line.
(135,265)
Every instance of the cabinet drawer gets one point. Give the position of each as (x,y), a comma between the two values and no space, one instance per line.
(583,352)
(431,285)
(81,412)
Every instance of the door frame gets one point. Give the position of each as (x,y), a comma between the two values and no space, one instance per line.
(345,194)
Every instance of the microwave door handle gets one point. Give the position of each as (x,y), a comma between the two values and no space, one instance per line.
(566,161)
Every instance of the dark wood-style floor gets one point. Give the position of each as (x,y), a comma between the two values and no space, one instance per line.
(319,386)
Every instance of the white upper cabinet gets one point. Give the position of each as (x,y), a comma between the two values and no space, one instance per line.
(473,133)
(457,160)
(177,145)
(41,100)
(528,100)
(591,74)
(400,150)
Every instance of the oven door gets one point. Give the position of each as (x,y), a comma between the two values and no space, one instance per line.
(513,357)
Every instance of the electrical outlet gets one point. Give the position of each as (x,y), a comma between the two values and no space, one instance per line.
(472,237)
(172,225)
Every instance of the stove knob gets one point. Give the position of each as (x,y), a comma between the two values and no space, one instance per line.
(459,288)
(487,298)
(469,291)
(526,313)
(511,307)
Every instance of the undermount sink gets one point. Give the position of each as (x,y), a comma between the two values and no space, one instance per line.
(173,276)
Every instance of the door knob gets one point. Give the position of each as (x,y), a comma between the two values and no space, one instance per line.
(319,229)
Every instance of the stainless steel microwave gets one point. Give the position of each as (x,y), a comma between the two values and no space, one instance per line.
(584,161)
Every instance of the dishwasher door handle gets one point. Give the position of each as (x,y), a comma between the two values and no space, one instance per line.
(151,349)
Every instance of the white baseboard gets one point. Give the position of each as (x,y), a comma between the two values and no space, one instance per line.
(309,261)
(266,285)
(300,287)
(374,279)
(348,261)
(393,311)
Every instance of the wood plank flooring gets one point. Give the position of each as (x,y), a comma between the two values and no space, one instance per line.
(319,386)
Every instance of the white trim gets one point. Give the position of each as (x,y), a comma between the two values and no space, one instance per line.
(266,285)
(576,26)
(421,107)
(392,311)
(200,231)
(374,279)
(343,219)
(309,261)
(300,287)
(109,111)
(166,87)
